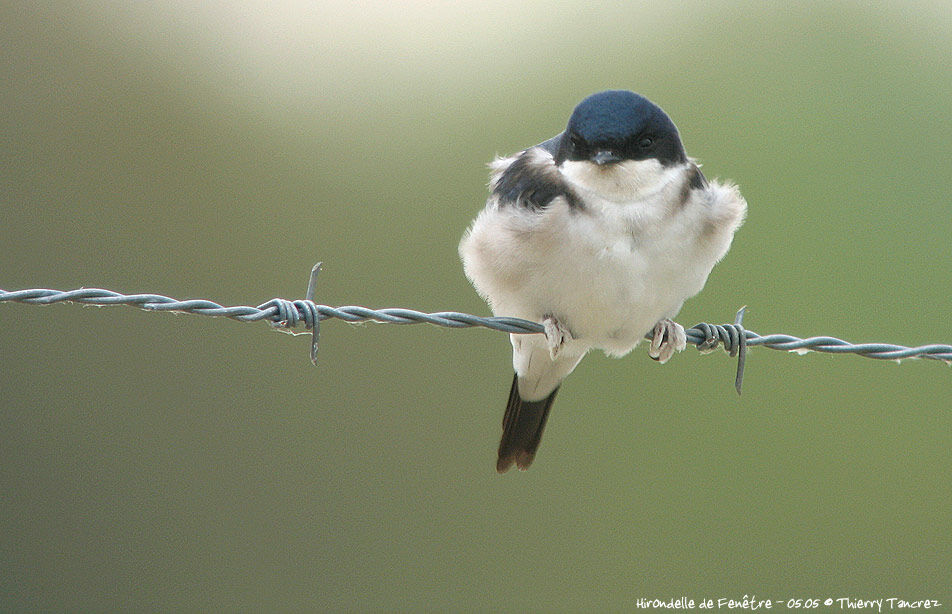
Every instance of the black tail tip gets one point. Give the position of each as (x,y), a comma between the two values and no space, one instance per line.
(522,426)
(520,458)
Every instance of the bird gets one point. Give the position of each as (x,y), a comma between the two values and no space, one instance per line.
(599,234)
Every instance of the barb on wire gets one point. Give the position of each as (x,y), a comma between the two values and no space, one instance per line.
(734,338)
(285,315)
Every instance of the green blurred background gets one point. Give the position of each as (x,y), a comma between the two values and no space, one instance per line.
(214,150)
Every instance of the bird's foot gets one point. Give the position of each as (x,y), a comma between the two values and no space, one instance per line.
(668,338)
(556,335)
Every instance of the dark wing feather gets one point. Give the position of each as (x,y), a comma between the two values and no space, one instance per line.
(533,181)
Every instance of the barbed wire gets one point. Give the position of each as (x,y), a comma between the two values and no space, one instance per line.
(285,315)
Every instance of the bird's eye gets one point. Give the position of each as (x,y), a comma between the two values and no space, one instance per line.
(645,142)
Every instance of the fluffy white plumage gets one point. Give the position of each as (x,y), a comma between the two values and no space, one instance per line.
(608,272)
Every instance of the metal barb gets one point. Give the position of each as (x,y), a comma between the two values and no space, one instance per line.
(316,325)
(734,337)
(742,348)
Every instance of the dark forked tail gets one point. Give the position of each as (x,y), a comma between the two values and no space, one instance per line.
(522,427)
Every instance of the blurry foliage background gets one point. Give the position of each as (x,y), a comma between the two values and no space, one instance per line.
(217,150)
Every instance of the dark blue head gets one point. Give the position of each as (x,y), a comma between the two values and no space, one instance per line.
(618,125)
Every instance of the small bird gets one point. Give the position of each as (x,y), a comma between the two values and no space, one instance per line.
(600,234)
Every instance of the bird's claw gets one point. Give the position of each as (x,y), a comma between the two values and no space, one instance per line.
(668,338)
(556,335)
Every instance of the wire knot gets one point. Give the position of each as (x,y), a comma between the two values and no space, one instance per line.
(289,313)
(734,338)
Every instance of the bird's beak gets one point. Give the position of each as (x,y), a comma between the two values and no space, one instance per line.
(604,156)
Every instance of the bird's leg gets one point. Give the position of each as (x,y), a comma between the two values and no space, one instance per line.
(668,338)
(556,335)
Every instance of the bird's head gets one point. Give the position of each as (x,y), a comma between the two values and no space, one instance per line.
(617,137)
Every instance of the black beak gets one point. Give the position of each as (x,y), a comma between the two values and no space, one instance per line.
(603,156)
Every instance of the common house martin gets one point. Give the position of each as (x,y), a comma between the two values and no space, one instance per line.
(600,234)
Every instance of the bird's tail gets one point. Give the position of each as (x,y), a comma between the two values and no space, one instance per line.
(522,427)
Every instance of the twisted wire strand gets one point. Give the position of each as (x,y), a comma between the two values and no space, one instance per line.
(279,311)
(286,314)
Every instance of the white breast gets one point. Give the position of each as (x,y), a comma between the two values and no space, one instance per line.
(608,272)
